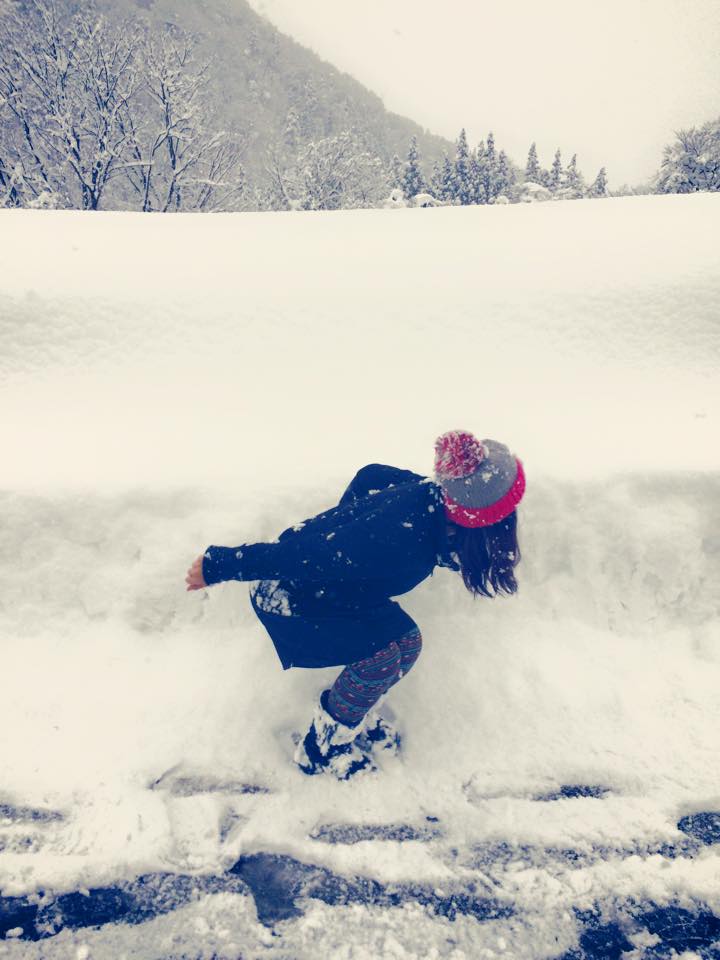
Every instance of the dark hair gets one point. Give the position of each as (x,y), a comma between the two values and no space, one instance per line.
(488,556)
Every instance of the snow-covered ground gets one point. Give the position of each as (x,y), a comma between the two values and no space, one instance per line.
(169,382)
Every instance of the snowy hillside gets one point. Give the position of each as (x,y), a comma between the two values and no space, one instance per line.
(169,382)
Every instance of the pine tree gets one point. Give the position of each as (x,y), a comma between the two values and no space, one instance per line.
(490,149)
(435,180)
(475,177)
(413,181)
(477,173)
(443,182)
(490,171)
(505,174)
(599,186)
(532,168)
(556,173)
(573,178)
(292,134)
(464,191)
(395,173)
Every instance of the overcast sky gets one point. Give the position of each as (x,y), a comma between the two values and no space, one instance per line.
(609,80)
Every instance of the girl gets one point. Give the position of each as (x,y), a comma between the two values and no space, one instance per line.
(324,587)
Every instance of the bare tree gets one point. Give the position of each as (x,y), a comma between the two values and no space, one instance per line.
(278,169)
(23,173)
(220,184)
(190,165)
(67,84)
(92,111)
(329,174)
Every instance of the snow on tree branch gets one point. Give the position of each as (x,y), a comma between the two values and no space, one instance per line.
(91,109)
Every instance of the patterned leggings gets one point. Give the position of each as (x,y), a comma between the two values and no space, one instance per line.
(361,684)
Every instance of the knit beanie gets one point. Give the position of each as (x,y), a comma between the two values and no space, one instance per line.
(482,482)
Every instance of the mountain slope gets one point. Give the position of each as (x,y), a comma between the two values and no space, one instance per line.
(265,78)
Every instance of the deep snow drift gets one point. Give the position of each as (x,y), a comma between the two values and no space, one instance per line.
(168,382)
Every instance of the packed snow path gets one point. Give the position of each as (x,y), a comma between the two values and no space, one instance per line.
(171,382)
(281,887)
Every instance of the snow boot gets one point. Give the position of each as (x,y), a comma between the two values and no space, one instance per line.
(379,734)
(330,747)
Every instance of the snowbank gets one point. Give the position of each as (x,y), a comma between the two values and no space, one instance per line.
(188,349)
(168,382)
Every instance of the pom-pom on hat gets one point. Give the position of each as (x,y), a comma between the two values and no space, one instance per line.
(482,482)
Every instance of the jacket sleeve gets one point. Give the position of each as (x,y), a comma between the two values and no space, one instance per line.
(365,548)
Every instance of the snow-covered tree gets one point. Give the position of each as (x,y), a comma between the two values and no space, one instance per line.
(464,191)
(178,160)
(533,171)
(574,183)
(443,180)
(90,109)
(395,173)
(505,175)
(435,177)
(598,187)
(292,134)
(330,174)
(477,178)
(66,84)
(490,148)
(556,173)
(692,162)
(490,180)
(413,181)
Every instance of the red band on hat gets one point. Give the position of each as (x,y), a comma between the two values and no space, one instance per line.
(485,516)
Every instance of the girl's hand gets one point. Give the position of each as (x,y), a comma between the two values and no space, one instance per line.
(194,578)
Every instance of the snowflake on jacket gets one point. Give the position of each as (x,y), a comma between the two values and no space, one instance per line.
(385,536)
(388,530)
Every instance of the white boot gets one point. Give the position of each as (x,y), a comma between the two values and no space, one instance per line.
(330,747)
(379,734)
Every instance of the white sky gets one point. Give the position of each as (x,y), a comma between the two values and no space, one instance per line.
(609,80)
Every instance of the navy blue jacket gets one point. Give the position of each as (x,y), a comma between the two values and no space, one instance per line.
(327,583)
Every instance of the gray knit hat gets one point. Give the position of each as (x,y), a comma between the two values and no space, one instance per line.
(482,481)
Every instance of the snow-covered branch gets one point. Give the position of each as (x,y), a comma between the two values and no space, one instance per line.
(88,105)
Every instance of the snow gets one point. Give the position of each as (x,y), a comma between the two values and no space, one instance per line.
(168,382)
(570,331)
